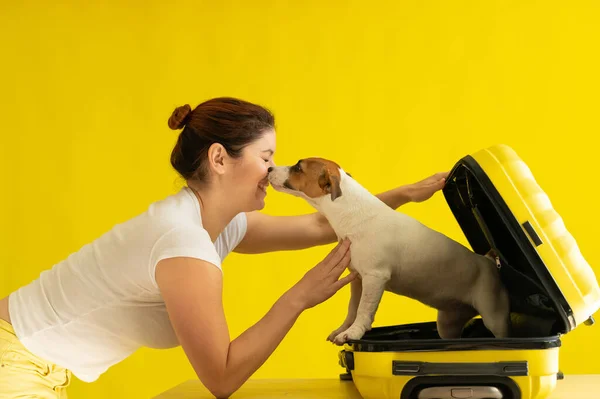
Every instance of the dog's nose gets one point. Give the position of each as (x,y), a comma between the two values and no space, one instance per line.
(270,169)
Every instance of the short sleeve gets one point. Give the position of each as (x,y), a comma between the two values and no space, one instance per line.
(232,235)
(183,241)
(236,230)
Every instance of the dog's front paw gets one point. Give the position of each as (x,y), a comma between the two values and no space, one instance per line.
(353,332)
(335,332)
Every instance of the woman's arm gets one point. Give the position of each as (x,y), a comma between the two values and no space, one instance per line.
(266,233)
(192,289)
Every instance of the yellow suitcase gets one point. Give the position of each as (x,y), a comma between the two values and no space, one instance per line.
(499,206)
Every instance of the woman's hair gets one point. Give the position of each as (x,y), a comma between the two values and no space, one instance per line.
(231,122)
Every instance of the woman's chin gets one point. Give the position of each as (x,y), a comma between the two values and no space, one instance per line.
(258,203)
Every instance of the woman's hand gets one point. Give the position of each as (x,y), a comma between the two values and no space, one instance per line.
(424,189)
(323,280)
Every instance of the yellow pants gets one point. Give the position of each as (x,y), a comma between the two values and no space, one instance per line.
(25,375)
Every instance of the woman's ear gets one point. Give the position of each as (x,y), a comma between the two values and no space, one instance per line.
(216,158)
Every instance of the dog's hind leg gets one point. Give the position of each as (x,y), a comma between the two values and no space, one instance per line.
(355,293)
(493,304)
(450,323)
(372,291)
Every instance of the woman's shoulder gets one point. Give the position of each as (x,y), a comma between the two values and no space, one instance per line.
(171,218)
(178,208)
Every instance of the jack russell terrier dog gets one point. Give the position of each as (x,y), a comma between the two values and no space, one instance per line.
(394,252)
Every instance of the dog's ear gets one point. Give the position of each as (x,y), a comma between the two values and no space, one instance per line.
(336,191)
(330,184)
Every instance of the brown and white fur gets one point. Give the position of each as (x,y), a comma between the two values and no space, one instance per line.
(394,252)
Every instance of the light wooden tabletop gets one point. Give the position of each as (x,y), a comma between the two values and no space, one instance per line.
(572,387)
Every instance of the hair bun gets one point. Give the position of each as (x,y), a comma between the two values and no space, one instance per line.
(180,117)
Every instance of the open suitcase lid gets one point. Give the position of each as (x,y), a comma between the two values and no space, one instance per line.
(499,205)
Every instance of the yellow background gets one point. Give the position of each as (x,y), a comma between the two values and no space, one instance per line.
(393,91)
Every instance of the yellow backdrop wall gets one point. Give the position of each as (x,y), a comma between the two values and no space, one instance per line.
(394,91)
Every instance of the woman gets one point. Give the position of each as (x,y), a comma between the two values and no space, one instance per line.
(156,281)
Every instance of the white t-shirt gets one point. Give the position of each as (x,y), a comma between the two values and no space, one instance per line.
(102,303)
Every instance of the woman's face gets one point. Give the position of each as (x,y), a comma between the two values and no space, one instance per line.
(249,180)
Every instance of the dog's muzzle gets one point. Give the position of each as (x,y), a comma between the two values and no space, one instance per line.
(278,177)
(287,185)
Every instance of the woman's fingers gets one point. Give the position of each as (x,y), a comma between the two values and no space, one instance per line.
(335,250)
(345,280)
(339,254)
(339,267)
(441,175)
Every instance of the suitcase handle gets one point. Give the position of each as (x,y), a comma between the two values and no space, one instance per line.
(503,369)
(460,392)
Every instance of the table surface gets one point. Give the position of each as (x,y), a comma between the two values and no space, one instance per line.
(572,387)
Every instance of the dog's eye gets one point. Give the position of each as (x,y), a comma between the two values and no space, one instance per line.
(297,168)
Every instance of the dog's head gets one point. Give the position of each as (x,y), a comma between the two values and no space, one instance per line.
(309,178)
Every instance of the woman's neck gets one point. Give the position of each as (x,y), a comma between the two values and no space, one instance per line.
(216,209)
